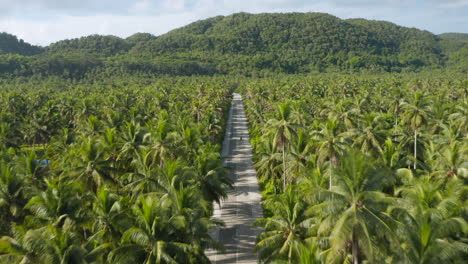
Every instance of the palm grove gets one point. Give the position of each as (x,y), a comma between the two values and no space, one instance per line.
(109,155)
(361,169)
(114,171)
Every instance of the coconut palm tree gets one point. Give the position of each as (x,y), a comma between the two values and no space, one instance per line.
(287,231)
(162,141)
(134,137)
(50,244)
(150,240)
(370,134)
(353,210)
(269,164)
(330,145)
(91,165)
(110,216)
(209,175)
(57,203)
(26,247)
(415,115)
(299,156)
(12,190)
(190,217)
(283,131)
(431,229)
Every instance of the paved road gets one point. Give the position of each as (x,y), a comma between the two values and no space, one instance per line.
(242,205)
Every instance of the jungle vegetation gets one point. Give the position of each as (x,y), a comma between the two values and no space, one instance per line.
(245,44)
(356,169)
(111,171)
(110,147)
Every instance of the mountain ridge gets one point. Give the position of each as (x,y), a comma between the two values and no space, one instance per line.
(244,43)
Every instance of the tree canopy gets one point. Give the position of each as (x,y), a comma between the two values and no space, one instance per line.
(247,44)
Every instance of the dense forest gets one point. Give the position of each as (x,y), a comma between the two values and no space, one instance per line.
(361,169)
(110,148)
(246,44)
(113,171)
(10,44)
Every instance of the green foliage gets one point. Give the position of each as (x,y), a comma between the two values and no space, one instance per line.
(246,44)
(454,36)
(111,170)
(10,44)
(376,167)
(102,46)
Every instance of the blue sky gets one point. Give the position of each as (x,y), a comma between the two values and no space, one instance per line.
(45,21)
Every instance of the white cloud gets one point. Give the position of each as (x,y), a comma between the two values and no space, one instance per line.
(454,4)
(46,21)
(67,27)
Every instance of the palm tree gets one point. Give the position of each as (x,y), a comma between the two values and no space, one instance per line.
(283,130)
(452,162)
(110,217)
(209,175)
(299,156)
(57,203)
(6,138)
(12,190)
(144,177)
(287,231)
(353,211)
(269,164)
(51,245)
(150,240)
(189,140)
(27,247)
(370,134)
(134,137)
(29,166)
(431,229)
(391,155)
(330,145)
(162,140)
(415,115)
(190,216)
(91,164)
(341,111)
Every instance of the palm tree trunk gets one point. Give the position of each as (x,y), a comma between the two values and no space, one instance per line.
(284,169)
(395,129)
(355,249)
(415,147)
(332,163)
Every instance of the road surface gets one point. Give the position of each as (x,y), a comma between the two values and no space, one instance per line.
(242,205)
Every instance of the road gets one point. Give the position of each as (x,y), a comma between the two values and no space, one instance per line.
(242,205)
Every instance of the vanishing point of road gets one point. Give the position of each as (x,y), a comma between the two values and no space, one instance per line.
(242,206)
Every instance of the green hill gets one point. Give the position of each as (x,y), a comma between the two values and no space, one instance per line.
(455,45)
(139,38)
(103,46)
(249,44)
(454,36)
(10,44)
(298,42)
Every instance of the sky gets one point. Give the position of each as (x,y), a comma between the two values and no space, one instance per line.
(42,22)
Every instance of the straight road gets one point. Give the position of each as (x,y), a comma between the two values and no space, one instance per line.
(242,205)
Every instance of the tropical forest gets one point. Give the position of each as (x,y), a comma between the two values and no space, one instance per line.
(298,138)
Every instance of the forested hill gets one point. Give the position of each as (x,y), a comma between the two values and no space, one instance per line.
(252,44)
(299,42)
(454,36)
(11,44)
